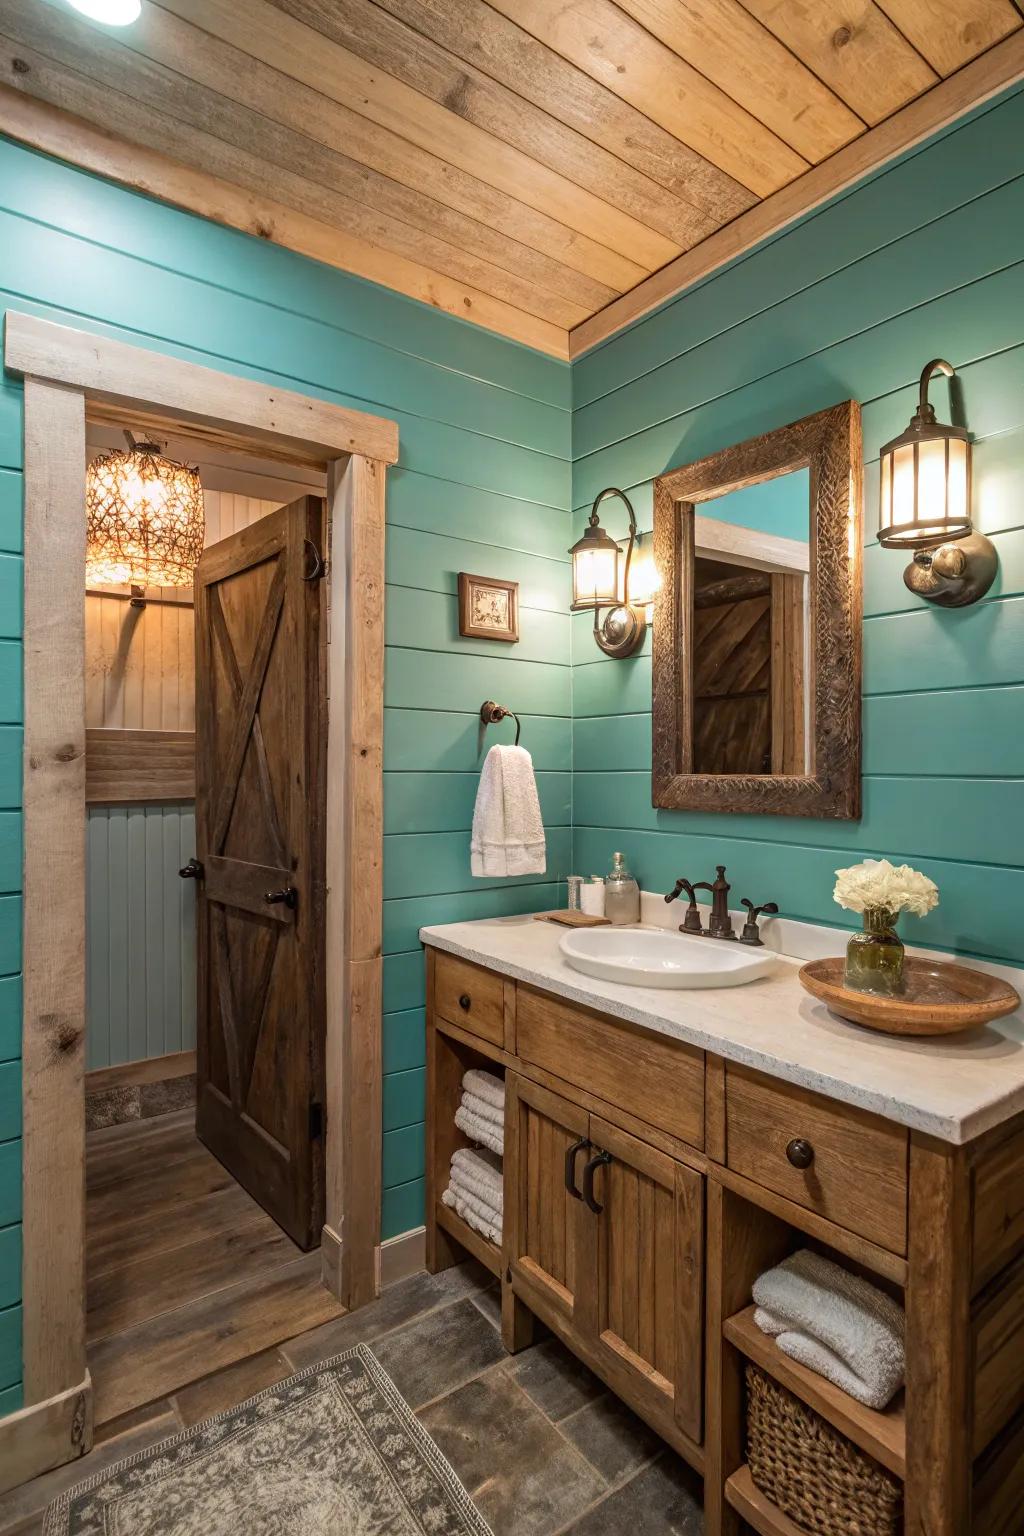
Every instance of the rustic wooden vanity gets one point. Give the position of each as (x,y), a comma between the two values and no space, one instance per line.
(649,1179)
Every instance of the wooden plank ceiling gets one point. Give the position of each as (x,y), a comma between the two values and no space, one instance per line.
(520,163)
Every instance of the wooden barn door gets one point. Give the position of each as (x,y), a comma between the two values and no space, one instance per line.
(260,733)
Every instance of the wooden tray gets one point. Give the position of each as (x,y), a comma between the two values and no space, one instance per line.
(941,998)
(571,919)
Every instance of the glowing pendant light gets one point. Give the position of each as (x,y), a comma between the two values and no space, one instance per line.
(144,518)
(112,13)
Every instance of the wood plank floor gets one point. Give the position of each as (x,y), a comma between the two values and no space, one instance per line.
(186,1273)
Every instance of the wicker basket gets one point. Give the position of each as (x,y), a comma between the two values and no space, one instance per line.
(811,1471)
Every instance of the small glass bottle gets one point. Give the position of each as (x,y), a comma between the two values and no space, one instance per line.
(621,894)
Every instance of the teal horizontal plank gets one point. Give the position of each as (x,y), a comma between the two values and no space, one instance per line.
(477,516)
(437,741)
(12,584)
(209,318)
(10,1181)
(10,1100)
(941,818)
(437,863)
(10,1346)
(11,698)
(10,851)
(415,679)
(875,366)
(11,740)
(914,192)
(443,802)
(945,648)
(402,1209)
(404,1099)
(10,1265)
(404,981)
(977,912)
(961,732)
(402,1155)
(12,450)
(403,919)
(10,1018)
(10,935)
(921,266)
(432,562)
(622,689)
(11,1399)
(101,212)
(430,621)
(11,523)
(405,1045)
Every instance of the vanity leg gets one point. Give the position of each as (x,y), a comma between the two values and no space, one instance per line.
(940,1388)
(518,1324)
(443,1092)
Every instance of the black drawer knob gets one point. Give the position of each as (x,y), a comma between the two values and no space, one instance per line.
(465,1002)
(800,1152)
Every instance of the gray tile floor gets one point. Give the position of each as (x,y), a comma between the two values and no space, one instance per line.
(540,1444)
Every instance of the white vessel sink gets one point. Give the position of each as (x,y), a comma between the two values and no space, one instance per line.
(651,957)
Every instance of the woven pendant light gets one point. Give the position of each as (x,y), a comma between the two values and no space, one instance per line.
(144,518)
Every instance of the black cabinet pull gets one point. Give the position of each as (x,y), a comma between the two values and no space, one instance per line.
(288,897)
(465,1002)
(193,870)
(599,1160)
(800,1152)
(570,1166)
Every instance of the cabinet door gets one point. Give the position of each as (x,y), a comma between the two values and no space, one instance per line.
(650,1277)
(547,1233)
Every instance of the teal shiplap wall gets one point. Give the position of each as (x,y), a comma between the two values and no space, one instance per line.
(482,485)
(925,260)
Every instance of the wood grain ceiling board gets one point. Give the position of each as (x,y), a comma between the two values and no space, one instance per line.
(539,166)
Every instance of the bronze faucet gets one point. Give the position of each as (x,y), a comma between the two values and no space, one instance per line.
(720,923)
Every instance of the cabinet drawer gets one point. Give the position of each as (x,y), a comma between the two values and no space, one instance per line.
(857,1173)
(659,1081)
(468,995)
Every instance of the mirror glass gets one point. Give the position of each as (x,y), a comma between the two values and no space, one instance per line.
(749,588)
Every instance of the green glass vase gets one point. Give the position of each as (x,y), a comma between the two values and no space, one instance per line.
(874,958)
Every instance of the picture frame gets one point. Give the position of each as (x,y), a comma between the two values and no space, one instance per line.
(488,608)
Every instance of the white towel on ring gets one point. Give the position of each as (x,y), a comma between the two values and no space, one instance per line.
(508,834)
(484,1085)
(483,1131)
(835,1323)
(485,1225)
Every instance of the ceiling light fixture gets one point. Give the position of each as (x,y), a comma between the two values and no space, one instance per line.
(145,520)
(112,13)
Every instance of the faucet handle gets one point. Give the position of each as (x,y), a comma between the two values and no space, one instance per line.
(750,934)
(691,922)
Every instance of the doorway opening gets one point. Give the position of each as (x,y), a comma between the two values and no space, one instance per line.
(205,1010)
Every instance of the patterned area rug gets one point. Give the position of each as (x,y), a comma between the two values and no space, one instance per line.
(333,1451)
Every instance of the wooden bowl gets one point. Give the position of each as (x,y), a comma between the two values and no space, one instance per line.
(941,998)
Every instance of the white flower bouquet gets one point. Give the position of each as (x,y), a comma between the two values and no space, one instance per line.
(877,885)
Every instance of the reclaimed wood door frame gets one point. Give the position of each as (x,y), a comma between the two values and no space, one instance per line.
(68,372)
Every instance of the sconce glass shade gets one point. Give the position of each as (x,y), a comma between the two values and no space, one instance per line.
(595,568)
(644,577)
(925,479)
(144,519)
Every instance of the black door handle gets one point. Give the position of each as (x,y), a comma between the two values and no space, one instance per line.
(599,1160)
(289,897)
(193,870)
(570,1166)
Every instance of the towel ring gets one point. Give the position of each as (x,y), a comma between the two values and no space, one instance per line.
(491,714)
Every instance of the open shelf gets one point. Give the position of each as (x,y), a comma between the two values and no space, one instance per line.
(744,1496)
(881,1435)
(474,1242)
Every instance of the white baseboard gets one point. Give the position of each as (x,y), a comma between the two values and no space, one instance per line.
(403,1256)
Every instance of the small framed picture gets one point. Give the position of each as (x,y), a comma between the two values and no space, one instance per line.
(488,608)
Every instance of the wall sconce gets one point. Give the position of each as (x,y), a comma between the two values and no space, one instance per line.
(596,584)
(925,506)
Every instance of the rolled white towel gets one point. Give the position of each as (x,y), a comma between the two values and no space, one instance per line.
(484,1168)
(483,1203)
(485,1086)
(836,1324)
(481,1108)
(483,1131)
(485,1225)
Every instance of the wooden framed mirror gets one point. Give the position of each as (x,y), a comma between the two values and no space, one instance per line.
(757,640)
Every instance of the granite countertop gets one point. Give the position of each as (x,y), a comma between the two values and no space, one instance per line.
(953,1088)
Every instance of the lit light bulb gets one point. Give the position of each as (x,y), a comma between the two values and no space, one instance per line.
(112,13)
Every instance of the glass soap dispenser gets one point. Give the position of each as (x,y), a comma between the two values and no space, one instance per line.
(621,894)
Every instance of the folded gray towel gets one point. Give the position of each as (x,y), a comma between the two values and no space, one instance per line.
(835,1323)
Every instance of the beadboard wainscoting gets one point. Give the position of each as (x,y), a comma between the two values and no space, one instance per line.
(922,261)
(482,485)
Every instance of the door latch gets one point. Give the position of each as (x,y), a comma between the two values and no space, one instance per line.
(287,897)
(193,870)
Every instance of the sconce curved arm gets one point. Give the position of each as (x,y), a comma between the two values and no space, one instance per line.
(613,490)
